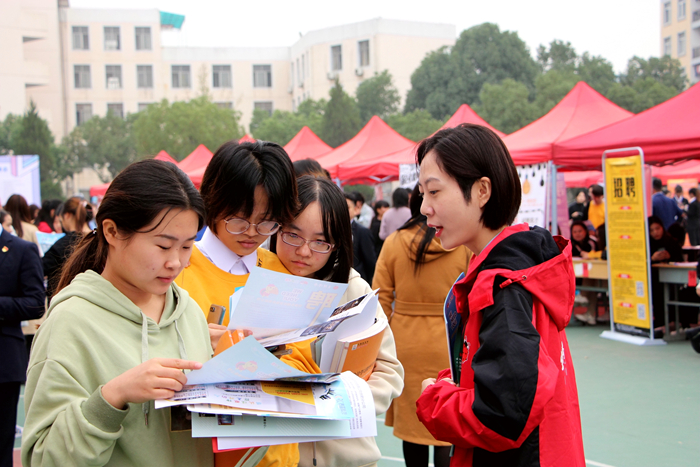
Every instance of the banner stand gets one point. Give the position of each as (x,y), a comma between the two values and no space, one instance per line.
(629,272)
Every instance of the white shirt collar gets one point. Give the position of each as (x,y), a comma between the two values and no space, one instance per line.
(223,258)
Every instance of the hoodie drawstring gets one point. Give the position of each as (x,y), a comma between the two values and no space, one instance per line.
(314,452)
(144,358)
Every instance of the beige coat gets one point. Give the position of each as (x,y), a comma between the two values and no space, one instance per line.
(385,383)
(417,319)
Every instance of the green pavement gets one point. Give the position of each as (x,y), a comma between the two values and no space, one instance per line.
(640,406)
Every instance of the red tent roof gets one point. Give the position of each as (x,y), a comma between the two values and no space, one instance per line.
(582,110)
(465,114)
(666,132)
(164,156)
(683,170)
(246,139)
(583,179)
(375,140)
(199,158)
(306,145)
(387,167)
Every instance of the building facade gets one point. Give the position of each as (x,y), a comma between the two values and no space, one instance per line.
(680,34)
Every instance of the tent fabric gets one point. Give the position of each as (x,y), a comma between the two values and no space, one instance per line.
(667,132)
(199,158)
(306,145)
(583,179)
(375,140)
(387,167)
(581,111)
(683,170)
(246,139)
(164,156)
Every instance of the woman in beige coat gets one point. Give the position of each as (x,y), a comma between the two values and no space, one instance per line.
(414,274)
(21,219)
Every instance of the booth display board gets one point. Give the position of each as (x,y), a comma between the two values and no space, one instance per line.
(628,247)
(562,207)
(408,175)
(535,205)
(20,175)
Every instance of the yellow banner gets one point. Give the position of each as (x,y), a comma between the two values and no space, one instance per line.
(627,242)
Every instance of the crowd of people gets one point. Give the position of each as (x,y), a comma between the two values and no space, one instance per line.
(128,286)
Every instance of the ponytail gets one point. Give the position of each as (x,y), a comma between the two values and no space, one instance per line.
(76,207)
(134,200)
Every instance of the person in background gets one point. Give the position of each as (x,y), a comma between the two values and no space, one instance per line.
(414,274)
(511,399)
(380,207)
(693,217)
(44,220)
(364,255)
(119,334)
(582,246)
(318,244)
(662,249)
(578,210)
(72,219)
(21,299)
(22,220)
(249,190)
(397,216)
(34,212)
(365,213)
(596,208)
(663,207)
(677,232)
(678,197)
(309,167)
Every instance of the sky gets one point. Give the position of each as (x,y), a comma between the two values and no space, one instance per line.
(614,29)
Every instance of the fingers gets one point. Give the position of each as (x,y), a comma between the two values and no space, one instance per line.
(218,327)
(179,363)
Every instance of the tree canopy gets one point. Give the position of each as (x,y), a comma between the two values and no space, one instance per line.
(377,96)
(341,119)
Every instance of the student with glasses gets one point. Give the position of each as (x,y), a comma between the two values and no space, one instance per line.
(317,243)
(248,191)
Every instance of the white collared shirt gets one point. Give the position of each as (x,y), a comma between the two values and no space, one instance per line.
(223,258)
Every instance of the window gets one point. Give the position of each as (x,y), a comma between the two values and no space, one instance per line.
(81,39)
(113,75)
(303,69)
(681,10)
(112,38)
(266,106)
(336,58)
(225,105)
(143,106)
(81,74)
(363,53)
(681,44)
(667,46)
(262,76)
(143,38)
(299,73)
(117,109)
(144,76)
(222,76)
(83,113)
(667,13)
(181,76)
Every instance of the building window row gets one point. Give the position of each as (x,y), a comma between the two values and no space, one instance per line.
(681,9)
(262,76)
(112,38)
(113,76)
(83,112)
(265,106)
(363,59)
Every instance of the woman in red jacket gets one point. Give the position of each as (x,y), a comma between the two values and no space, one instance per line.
(511,397)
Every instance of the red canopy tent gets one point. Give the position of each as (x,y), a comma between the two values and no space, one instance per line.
(164,156)
(199,158)
(666,132)
(582,110)
(306,145)
(375,140)
(387,167)
(683,170)
(583,179)
(246,139)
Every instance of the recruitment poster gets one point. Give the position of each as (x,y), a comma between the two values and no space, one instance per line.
(536,194)
(627,246)
(20,175)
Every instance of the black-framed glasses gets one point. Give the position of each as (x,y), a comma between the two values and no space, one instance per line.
(314,245)
(237,226)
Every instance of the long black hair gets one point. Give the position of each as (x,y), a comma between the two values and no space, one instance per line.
(425,233)
(336,225)
(134,199)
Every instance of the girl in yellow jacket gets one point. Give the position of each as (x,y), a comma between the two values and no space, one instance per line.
(248,191)
(317,243)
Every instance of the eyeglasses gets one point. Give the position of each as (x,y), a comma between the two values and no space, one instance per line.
(237,226)
(314,245)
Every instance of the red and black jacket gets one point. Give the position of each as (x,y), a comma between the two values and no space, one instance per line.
(516,403)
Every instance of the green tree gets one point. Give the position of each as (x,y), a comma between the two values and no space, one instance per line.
(34,137)
(414,125)
(561,57)
(180,127)
(506,106)
(551,87)
(597,72)
(8,132)
(430,83)
(341,120)
(282,125)
(643,94)
(666,70)
(377,96)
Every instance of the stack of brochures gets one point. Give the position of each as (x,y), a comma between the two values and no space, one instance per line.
(246,397)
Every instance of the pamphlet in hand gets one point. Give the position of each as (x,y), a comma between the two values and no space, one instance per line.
(272,303)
